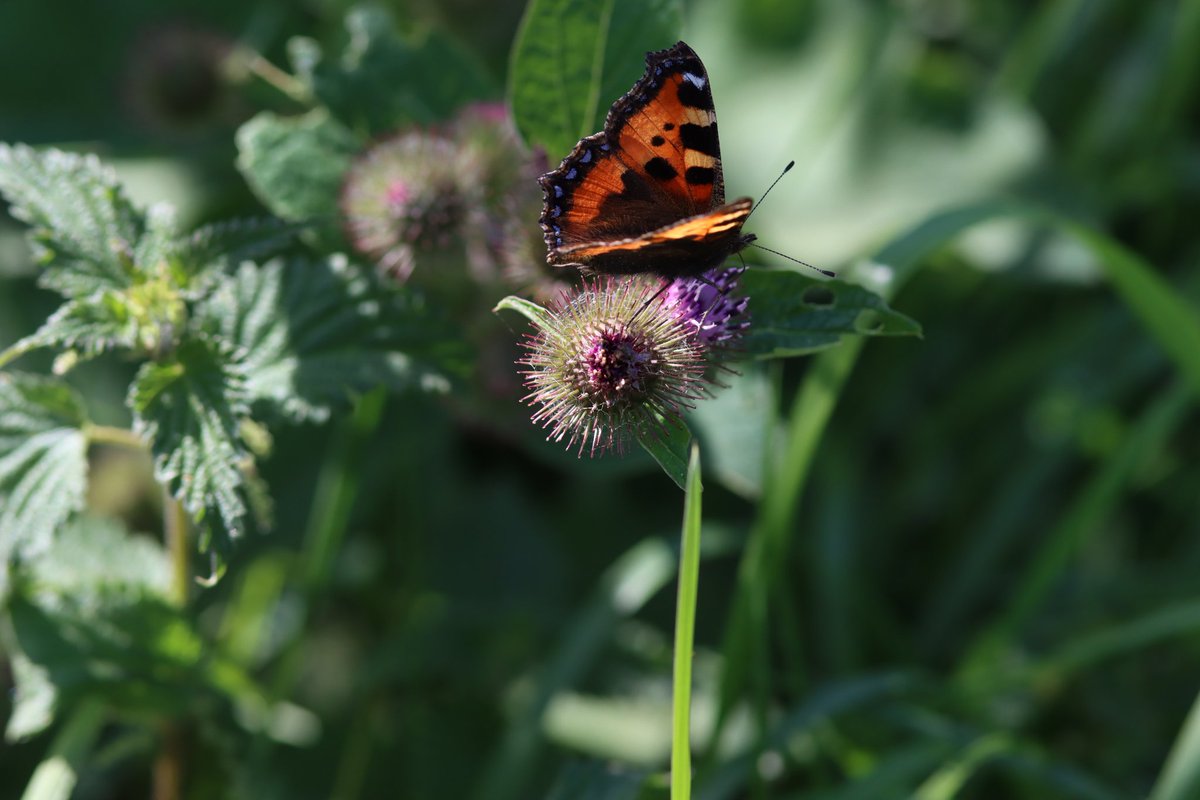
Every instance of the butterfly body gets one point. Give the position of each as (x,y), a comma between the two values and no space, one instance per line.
(647,194)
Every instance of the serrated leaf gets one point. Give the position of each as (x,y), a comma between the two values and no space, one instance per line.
(85,230)
(90,326)
(224,245)
(189,406)
(43,460)
(91,616)
(572,59)
(792,314)
(295,164)
(381,81)
(313,332)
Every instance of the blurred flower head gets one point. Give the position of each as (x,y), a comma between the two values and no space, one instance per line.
(176,79)
(707,307)
(404,195)
(606,364)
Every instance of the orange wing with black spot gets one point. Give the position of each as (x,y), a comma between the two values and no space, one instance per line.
(645,195)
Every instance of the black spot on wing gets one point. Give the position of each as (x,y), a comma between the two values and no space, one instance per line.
(657,141)
(702,138)
(692,96)
(668,126)
(697,176)
(658,167)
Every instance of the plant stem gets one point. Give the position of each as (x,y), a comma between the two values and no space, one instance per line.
(169,764)
(272,75)
(685,628)
(179,546)
(118,437)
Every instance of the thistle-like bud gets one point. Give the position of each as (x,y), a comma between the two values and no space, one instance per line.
(606,364)
(402,196)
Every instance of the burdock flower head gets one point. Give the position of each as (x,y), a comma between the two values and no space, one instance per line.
(405,195)
(707,306)
(606,364)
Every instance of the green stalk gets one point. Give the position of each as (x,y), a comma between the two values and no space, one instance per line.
(169,764)
(337,489)
(685,629)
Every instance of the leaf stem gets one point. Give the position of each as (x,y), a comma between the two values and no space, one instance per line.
(118,437)
(685,628)
(273,76)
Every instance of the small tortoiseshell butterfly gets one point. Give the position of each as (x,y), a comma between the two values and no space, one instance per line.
(646,194)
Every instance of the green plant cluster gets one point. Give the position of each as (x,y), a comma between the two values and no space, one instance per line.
(274,523)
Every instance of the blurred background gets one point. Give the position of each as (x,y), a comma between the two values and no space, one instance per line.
(988,585)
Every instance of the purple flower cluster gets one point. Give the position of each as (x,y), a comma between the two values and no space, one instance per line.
(707,305)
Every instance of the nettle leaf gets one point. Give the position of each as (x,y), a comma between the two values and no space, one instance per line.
(223,245)
(43,460)
(792,314)
(571,60)
(85,230)
(381,81)
(296,164)
(312,332)
(91,616)
(190,406)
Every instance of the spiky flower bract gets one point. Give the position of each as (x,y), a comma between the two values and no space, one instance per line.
(708,307)
(403,195)
(606,364)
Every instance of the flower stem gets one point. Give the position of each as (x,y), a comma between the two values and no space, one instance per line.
(685,628)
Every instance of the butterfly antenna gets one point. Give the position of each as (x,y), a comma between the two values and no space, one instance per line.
(786,169)
(824,272)
(666,285)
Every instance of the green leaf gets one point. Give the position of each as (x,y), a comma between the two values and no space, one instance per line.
(572,59)
(669,446)
(85,230)
(295,164)
(1167,317)
(382,81)
(735,427)
(92,615)
(530,310)
(57,775)
(189,406)
(222,246)
(89,325)
(311,333)
(43,460)
(792,314)
(1180,777)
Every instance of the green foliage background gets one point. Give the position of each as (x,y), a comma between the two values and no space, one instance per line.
(961,565)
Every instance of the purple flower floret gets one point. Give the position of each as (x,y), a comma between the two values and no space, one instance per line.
(707,308)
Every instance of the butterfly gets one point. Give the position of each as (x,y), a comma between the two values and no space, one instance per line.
(646,194)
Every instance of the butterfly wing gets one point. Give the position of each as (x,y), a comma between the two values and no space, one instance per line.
(657,163)
(686,247)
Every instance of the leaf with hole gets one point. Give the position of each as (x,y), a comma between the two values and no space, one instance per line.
(792,314)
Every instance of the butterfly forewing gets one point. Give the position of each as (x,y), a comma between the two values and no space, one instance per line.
(645,194)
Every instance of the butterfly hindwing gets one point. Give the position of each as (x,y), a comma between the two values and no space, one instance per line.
(640,195)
